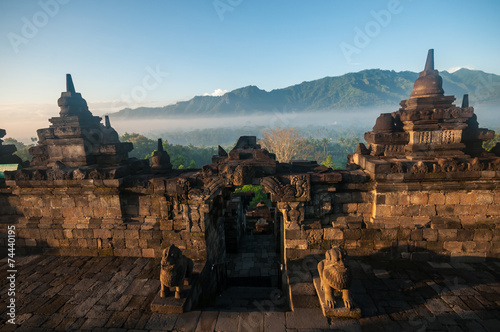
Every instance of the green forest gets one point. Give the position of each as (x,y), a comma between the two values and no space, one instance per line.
(331,151)
(327,146)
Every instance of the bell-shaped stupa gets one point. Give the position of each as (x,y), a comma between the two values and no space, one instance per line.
(76,137)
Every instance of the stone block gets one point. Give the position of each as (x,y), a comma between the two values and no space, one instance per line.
(389,234)
(82,243)
(370,234)
(296,244)
(381,244)
(396,210)
(349,207)
(468,198)
(365,208)
(496,235)
(437,198)
(427,210)
(293,234)
(436,246)
(392,199)
(68,202)
(99,212)
(453,246)
(52,243)
(484,198)
(131,243)
(416,235)
(447,234)
(352,234)
(468,222)
(113,212)
(359,197)
(131,234)
(465,234)
(452,198)
(494,210)
(483,246)
(462,210)
(343,197)
(411,210)
(383,211)
(404,199)
(350,244)
(430,234)
(483,235)
(148,253)
(485,223)
(404,234)
(333,234)
(419,198)
(445,210)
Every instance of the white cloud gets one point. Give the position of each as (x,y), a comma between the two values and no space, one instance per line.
(216,93)
(454,69)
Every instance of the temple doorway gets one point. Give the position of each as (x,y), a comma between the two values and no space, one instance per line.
(253,256)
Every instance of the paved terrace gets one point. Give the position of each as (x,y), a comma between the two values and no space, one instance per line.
(114,293)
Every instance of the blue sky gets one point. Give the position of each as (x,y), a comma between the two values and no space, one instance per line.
(152,53)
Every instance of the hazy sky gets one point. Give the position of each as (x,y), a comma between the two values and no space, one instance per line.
(152,53)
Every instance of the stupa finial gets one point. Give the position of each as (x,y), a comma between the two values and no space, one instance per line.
(465,101)
(429,63)
(69,84)
(160,145)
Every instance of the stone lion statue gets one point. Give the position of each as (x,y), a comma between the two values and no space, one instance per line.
(174,268)
(335,274)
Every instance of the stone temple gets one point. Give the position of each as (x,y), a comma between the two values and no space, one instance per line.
(76,137)
(421,190)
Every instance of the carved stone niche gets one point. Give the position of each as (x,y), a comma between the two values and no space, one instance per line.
(293,214)
(298,189)
(333,283)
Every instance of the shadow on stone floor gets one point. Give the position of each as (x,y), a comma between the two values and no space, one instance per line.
(419,295)
(83,293)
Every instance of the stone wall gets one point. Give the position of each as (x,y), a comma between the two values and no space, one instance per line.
(106,217)
(455,216)
(424,219)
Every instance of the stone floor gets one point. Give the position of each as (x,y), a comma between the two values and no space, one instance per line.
(256,258)
(114,293)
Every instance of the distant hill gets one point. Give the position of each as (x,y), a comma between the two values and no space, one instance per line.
(367,88)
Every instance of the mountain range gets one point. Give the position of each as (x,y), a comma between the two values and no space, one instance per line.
(367,88)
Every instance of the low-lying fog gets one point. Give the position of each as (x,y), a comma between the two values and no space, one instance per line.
(23,128)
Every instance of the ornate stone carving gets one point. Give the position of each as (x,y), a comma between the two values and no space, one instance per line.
(212,185)
(475,165)
(335,274)
(293,215)
(494,166)
(301,185)
(419,168)
(174,268)
(60,172)
(95,174)
(397,168)
(298,189)
(182,186)
(79,174)
(448,165)
(39,175)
